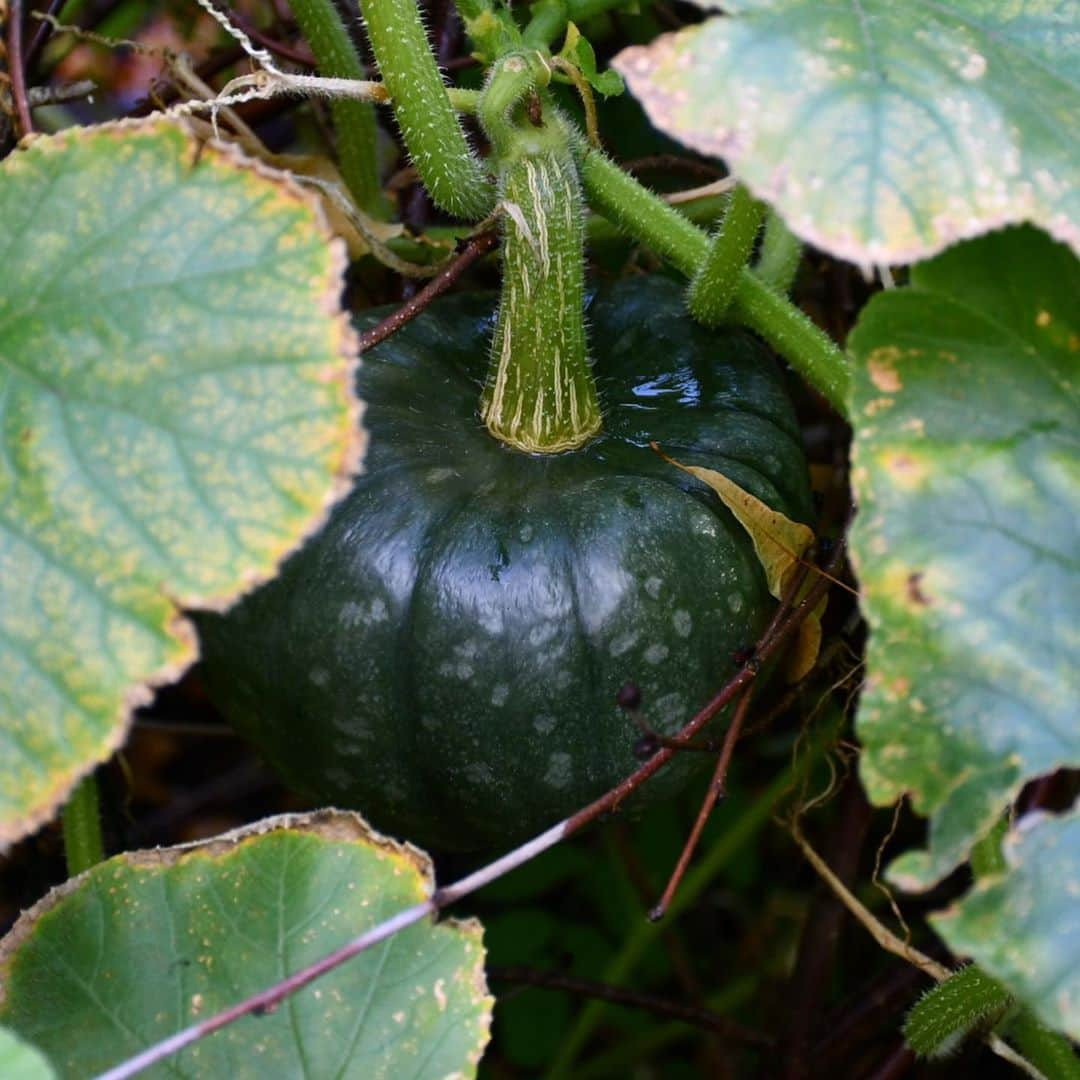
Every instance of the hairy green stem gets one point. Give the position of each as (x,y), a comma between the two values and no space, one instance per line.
(713,288)
(433,135)
(81,818)
(354,121)
(806,347)
(640,213)
(949,1012)
(646,217)
(511,79)
(781,252)
(1051,1053)
(547,22)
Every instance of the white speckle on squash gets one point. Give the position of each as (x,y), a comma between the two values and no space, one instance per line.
(545,723)
(499,694)
(682,622)
(623,643)
(656,654)
(526,534)
(479,773)
(653,586)
(319,676)
(735,602)
(559,771)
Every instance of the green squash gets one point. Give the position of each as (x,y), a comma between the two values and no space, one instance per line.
(445,655)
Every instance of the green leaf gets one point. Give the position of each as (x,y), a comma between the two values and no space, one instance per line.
(882,131)
(20,1060)
(966,461)
(579,51)
(1024,927)
(174,417)
(148,942)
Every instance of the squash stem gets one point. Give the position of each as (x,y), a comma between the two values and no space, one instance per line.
(540,395)
(433,135)
(354,121)
(81,818)
(713,288)
(651,221)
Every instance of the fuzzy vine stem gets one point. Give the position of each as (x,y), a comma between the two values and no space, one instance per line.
(433,135)
(81,819)
(781,252)
(714,286)
(646,217)
(354,121)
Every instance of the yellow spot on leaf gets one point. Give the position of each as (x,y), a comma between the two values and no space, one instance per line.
(908,471)
(881,366)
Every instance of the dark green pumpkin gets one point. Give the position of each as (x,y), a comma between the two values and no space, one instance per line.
(445,655)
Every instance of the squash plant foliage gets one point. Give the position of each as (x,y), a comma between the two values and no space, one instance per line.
(443,570)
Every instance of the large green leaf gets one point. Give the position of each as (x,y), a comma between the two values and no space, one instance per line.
(881,130)
(174,416)
(148,942)
(21,1061)
(1024,927)
(966,469)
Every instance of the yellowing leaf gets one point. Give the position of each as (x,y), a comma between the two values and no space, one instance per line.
(779,544)
(778,541)
(803,654)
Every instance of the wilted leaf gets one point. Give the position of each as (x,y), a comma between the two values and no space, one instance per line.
(174,417)
(882,131)
(20,1060)
(779,544)
(966,462)
(1024,927)
(148,942)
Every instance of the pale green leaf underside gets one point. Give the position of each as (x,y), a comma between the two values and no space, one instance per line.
(147,943)
(174,415)
(882,131)
(1024,927)
(966,469)
(20,1061)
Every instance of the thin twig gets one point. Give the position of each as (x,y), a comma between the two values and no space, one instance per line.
(878,931)
(717,187)
(477,246)
(41,31)
(268,999)
(16,71)
(691,1014)
(714,793)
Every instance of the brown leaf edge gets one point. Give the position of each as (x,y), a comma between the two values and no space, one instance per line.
(329,824)
(349,465)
